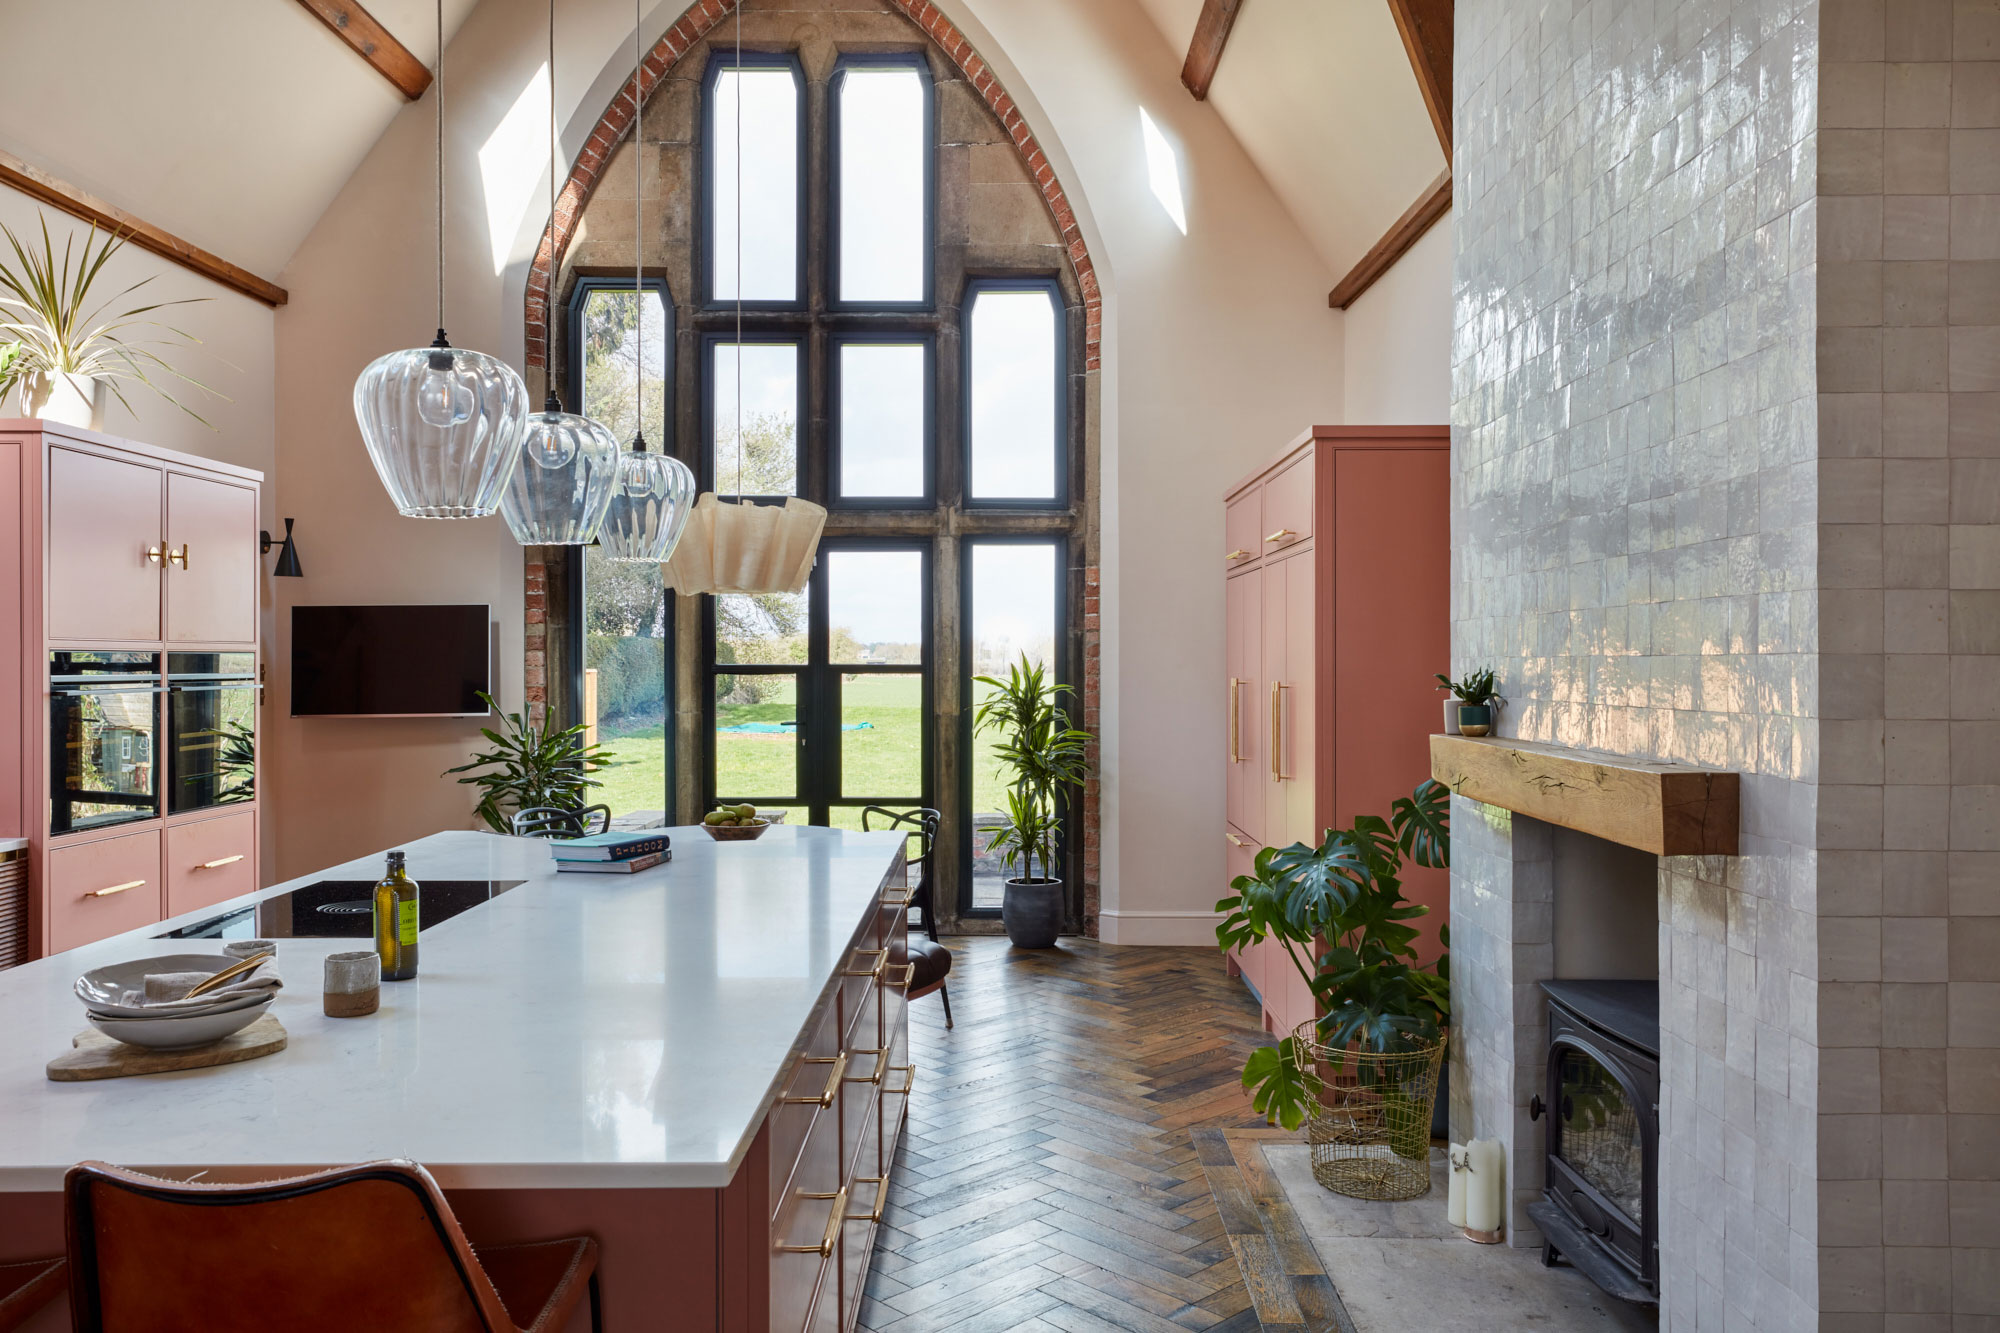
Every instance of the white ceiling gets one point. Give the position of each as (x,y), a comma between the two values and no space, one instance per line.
(231,123)
(1321,96)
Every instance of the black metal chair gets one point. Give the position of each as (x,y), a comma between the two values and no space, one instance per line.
(929,960)
(552,821)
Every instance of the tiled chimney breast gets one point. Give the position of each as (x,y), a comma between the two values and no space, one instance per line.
(1727,491)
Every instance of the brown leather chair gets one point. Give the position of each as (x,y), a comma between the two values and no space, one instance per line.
(25,1287)
(372,1247)
(930,961)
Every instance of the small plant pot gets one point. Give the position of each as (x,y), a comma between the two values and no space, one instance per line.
(1451,717)
(1475,719)
(1032,911)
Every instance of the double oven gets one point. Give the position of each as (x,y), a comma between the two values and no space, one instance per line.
(133,736)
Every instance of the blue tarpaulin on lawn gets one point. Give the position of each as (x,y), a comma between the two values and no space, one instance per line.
(778,728)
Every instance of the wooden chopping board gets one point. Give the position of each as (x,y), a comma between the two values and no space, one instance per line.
(98,1056)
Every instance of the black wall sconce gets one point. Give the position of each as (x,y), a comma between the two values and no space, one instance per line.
(288,553)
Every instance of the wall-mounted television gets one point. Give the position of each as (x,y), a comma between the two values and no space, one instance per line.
(390,661)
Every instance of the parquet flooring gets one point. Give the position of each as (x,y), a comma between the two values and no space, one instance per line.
(1048,1179)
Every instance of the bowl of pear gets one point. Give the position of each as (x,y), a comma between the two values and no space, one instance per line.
(734,823)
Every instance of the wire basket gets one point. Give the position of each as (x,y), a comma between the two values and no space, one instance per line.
(1371,1136)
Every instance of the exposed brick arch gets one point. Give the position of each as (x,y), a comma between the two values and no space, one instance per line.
(690,28)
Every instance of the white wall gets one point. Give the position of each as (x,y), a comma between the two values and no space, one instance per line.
(1398,344)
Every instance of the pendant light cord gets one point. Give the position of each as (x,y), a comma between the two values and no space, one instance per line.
(638,235)
(437,77)
(551,401)
(739,251)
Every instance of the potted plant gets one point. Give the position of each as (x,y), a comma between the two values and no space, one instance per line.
(67,346)
(1033,737)
(1365,1074)
(1470,710)
(530,766)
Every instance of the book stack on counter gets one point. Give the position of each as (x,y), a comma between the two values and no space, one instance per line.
(612,853)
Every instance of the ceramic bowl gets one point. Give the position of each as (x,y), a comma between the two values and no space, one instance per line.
(101,987)
(737,832)
(161,1033)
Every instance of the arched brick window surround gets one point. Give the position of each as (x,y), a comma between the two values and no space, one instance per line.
(589,168)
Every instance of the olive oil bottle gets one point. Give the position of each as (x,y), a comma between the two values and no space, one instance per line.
(396,921)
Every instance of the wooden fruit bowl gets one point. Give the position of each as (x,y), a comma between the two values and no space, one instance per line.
(737,832)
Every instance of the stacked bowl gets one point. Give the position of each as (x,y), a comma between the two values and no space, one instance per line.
(120,1004)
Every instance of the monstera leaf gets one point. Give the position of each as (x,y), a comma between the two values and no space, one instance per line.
(1423,824)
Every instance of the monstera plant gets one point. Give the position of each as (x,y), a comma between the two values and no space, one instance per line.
(1340,916)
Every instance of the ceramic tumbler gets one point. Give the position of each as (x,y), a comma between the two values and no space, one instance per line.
(353,984)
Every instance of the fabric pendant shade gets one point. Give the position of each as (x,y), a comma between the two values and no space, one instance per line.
(565,482)
(746,548)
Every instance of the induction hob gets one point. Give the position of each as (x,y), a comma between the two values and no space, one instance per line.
(338,909)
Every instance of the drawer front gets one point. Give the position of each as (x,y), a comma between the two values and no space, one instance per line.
(860,1112)
(866,1183)
(1288,507)
(101,888)
(859,982)
(802,1260)
(812,1092)
(1242,541)
(896,1087)
(211,860)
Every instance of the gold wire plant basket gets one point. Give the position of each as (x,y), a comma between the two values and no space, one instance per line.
(1371,1137)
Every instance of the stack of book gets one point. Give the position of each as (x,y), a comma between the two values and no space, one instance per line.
(612,853)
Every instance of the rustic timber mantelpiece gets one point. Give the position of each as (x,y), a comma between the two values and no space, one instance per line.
(1665,809)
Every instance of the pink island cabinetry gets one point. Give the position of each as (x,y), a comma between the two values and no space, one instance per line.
(1337,560)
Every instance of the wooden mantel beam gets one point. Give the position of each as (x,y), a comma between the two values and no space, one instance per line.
(1211,34)
(1426,28)
(1419,218)
(38,184)
(374,44)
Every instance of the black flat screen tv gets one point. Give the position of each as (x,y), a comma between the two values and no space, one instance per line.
(390,661)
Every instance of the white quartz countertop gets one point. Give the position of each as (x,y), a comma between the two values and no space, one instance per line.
(595,1031)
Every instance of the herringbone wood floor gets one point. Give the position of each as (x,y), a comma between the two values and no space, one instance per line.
(1047,1179)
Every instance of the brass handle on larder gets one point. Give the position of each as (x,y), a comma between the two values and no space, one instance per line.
(155,553)
(1278,731)
(221,862)
(116,888)
(1280,535)
(881,1199)
(833,1081)
(1235,714)
(832,1238)
(179,557)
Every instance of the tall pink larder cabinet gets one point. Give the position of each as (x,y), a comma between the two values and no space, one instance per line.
(1337,562)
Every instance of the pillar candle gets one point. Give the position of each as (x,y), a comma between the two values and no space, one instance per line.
(1485,1191)
(1454,1193)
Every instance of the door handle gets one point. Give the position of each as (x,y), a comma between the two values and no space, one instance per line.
(1235,716)
(1280,535)
(1233,839)
(1238,554)
(155,553)
(116,888)
(179,557)
(1278,689)
(220,862)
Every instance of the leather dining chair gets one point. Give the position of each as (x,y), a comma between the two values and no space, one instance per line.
(373,1246)
(930,960)
(25,1287)
(553,821)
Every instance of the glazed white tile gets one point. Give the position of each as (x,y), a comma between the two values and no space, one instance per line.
(580,1030)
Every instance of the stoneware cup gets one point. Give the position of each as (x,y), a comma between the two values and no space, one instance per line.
(249,948)
(353,984)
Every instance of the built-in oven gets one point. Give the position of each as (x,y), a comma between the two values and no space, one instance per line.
(211,730)
(104,727)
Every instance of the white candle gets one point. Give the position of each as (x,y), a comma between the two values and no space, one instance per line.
(1454,1192)
(1485,1192)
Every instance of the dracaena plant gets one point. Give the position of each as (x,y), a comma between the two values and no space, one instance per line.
(530,766)
(1339,914)
(1032,736)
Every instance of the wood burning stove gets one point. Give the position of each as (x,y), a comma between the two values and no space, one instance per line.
(1600,1205)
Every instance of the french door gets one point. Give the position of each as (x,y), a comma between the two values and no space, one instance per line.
(820,702)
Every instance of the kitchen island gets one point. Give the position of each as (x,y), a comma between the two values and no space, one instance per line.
(705,1065)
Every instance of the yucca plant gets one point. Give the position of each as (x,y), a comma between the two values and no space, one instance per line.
(49,311)
(530,766)
(1047,755)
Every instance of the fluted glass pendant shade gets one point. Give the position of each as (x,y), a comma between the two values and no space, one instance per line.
(649,508)
(443,427)
(563,486)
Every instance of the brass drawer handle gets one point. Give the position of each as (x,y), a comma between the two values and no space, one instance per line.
(1235,716)
(116,888)
(832,1238)
(1280,535)
(909,1081)
(179,557)
(833,1081)
(1234,840)
(1238,554)
(909,975)
(881,961)
(881,1065)
(904,901)
(881,1199)
(220,862)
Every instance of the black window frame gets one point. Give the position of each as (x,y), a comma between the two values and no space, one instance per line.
(798,340)
(720,60)
(581,290)
(836,173)
(1050,287)
(835,342)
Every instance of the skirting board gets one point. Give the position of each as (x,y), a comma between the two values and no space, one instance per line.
(1158,928)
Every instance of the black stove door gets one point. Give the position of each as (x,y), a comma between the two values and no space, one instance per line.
(1601,1144)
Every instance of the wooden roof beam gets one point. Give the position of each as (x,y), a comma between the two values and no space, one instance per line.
(374,44)
(1426,28)
(1419,218)
(1211,34)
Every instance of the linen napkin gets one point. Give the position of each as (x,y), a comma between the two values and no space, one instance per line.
(167,991)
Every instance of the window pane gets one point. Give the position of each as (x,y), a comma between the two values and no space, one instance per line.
(1013,613)
(764,628)
(611,339)
(882,394)
(1013,388)
(762,379)
(882,184)
(875,605)
(768,185)
(625,686)
(756,735)
(882,737)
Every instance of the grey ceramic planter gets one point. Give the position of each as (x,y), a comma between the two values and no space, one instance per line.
(1032,911)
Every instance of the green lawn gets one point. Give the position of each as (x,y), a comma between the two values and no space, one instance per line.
(879,761)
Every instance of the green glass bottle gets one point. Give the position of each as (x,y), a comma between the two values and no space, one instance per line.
(396,921)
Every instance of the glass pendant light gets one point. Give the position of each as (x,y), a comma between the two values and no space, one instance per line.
(655,492)
(564,483)
(442,425)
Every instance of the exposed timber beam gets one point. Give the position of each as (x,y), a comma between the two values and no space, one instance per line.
(1409,229)
(1426,29)
(374,44)
(38,184)
(1211,34)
